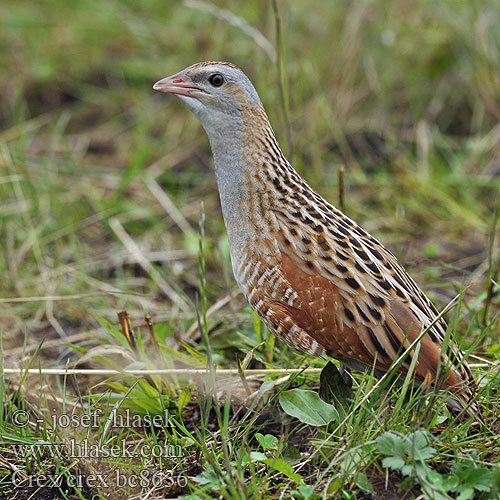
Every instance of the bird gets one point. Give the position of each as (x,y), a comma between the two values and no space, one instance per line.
(316,278)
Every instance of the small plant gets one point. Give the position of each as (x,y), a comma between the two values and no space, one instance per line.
(410,454)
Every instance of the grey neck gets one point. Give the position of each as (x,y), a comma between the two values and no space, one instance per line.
(234,169)
(230,166)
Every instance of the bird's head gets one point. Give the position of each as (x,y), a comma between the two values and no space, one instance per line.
(218,93)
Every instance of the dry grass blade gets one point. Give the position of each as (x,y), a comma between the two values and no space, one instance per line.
(211,310)
(27,126)
(168,371)
(243,379)
(168,205)
(237,21)
(57,298)
(134,249)
(49,344)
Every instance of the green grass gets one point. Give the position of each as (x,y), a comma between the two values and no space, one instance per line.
(404,96)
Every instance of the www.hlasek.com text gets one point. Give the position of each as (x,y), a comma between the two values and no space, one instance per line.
(84,449)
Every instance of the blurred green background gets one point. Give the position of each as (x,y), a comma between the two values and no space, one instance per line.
(404,94)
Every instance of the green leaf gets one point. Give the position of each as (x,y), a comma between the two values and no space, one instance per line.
(268,442)
(257,324)
(436,479)
(291,454)
(202,359)
(184,398)
(266,386)
(333,389)
(395,463)
(425,453)
(305,492)
(391,445)
(258,456)
(255,456)
(421,439)
(284,467)
(449,483)
(362,482)
(111,328)
(188,359)
(466,494)
(470,475)
(307,407)
(334,486)
(353,460)
(186,442)
(77,348)
(208,477)
(269,346)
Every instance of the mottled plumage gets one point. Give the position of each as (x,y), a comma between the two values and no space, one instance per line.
(318,280)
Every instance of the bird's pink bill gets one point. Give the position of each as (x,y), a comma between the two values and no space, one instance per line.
(179,84)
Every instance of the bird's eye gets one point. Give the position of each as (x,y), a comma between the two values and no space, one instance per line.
(216,79)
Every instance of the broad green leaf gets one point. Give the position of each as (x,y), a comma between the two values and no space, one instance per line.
(186,442)
(334,486)
(391,445)
(258,456)
(470,475)
(284,467)
(268,442)
(425,453)
(308,407)
(305,492)
(466,494)
(395,463)
(208,477)
(420,439)
(362,482)
(333,389)
(291,454)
